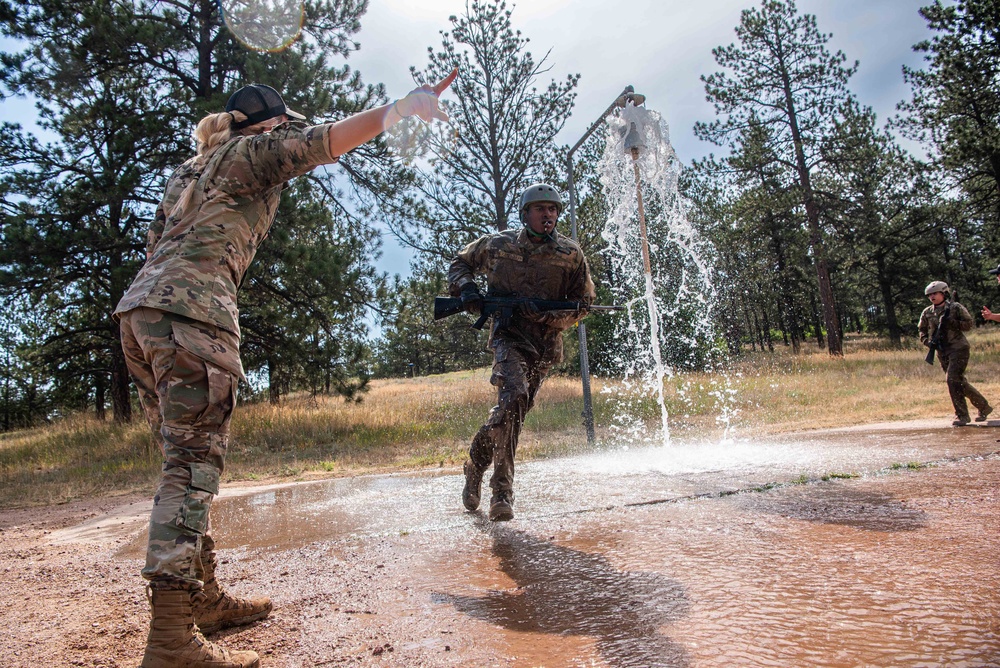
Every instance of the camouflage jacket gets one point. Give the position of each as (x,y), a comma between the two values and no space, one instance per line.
(197,256)
(516,266)
(959,321)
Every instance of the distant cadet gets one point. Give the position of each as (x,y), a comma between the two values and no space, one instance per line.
(942,326)
(534,262)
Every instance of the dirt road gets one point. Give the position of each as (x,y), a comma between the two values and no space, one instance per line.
(874,547)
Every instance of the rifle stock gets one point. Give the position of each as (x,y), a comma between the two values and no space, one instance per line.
(447,306)
(936,339)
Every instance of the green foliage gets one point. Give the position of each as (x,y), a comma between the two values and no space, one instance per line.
(412,342)
(955,108)
(304,299)
(779,94)
(120,86)
(810,178)
(501,135)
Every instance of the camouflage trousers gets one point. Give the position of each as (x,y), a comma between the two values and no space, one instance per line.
(954,363)
(188,395)
(517,375)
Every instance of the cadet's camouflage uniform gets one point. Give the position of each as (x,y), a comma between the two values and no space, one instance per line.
(954,354)
(180,325)
(524,351)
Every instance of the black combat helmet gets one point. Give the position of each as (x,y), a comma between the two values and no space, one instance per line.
(259,103)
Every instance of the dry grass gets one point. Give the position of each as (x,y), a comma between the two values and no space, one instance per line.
(427,422)
(869,384)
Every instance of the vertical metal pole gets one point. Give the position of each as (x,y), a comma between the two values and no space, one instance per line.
(581,329)
(642,215)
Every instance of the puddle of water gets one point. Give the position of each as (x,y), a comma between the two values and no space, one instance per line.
(897,569)
(296,515)
(845,573)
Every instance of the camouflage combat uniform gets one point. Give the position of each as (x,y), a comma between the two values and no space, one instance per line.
(525,349)
(954,354)
(180,325)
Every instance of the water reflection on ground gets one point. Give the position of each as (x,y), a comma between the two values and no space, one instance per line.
(702,554)
(562,591)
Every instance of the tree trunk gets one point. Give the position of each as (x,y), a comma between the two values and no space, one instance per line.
(815,232)
(885,287)
(751,332)
(273,383)
(100,396)
(767,331)
(817,323)
(121,395)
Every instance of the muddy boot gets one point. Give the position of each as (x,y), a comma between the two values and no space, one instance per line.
(174,640)
(984,413)
(960,421)
(473,485)
(502,506)
(215,609)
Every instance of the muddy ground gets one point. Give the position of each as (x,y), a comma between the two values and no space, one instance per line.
(724,564)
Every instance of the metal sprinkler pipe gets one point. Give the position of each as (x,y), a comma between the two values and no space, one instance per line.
(627,95)
(633,144)
(644,241)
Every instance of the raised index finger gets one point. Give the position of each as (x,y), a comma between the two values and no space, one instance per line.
(442,85)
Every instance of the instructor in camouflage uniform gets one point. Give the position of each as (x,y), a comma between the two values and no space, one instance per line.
(953,350)
(180,333)
(535,262)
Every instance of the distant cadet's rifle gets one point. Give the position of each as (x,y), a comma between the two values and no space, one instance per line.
(505,307)
(937,343)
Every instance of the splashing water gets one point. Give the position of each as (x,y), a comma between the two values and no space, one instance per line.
(659,269)
(264,25)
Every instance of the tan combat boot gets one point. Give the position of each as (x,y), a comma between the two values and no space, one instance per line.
(473,485)
(502,506)
(215,609)
(174,640)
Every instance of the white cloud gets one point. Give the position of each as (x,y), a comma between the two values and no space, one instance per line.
(662,47)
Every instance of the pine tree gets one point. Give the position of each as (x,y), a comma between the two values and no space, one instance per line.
(955,107)
(502,131)
(782,76)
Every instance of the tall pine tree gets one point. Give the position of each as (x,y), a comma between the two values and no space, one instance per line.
(781,75)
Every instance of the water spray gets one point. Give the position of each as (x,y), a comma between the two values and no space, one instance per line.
(633,143)
(627,95)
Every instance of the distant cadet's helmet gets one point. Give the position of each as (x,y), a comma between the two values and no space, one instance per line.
(995,272)
(539,192)
(936,286)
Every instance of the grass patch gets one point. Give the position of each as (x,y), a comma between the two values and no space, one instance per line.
(427,422)
(839,476)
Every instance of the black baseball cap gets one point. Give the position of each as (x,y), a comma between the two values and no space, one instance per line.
(259,103)
(996,271)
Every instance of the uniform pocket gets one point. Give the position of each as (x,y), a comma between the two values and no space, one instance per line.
(210,343)
(203,487)
(213,351)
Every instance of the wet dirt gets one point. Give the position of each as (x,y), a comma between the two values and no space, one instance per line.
(857,547)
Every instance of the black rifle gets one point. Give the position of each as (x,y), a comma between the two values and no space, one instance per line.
(936,342)
(504,307)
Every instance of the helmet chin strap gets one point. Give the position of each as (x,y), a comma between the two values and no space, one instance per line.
(539,235)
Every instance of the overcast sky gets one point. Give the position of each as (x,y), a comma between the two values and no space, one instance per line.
(662,47)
